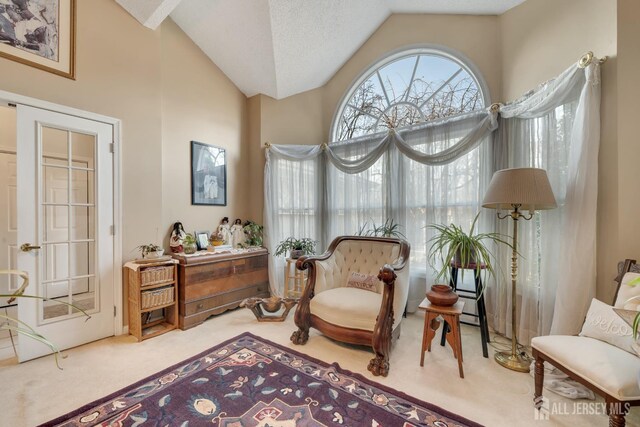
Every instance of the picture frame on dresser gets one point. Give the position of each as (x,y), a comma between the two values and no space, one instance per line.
(202,239)
(208,175)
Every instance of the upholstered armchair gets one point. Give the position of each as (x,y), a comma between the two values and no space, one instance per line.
(356,293)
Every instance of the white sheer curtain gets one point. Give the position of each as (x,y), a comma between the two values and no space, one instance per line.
(555,127)
(438,172)
(373,179)
(293,201)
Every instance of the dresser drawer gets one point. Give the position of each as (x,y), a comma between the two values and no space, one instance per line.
(213,284)
(224,299)
(216,285)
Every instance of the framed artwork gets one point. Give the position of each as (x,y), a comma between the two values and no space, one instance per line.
(208,175)
(40,33)
(202,240)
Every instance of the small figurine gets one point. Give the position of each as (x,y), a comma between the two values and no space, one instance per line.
(224,231)
(261,306)
(238,238)
(177,236)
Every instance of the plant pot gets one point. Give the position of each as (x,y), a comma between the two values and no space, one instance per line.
(442,295)
(296,253)
(457,259)
(154,254)
(189,248)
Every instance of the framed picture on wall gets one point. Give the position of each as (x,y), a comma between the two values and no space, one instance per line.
(40,33)
(208,175)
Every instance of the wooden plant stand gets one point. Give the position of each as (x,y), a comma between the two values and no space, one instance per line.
(451,316)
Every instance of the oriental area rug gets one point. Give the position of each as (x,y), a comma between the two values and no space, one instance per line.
(250,381)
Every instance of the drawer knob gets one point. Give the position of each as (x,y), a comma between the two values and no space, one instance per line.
(199,306)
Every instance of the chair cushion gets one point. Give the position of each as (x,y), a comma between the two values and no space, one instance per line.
(347,307)
(603,365)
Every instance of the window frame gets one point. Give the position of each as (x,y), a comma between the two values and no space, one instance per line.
(398,54)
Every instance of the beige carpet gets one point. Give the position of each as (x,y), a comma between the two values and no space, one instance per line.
(36,391)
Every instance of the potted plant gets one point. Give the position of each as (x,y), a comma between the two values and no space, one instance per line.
(151,251)
(10,323)
(254,233)
(388,229)
(451,244)
(298,247)
(189,244)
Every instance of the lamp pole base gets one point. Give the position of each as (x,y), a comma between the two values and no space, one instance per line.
(515,362)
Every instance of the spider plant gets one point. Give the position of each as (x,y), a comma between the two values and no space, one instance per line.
(305,246)
(451,244)
(636,320)
(14,325)
(388,229)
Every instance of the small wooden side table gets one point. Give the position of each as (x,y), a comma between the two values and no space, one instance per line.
(451,316)
(294,280)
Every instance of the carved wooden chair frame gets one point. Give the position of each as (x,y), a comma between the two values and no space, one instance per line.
(381,337)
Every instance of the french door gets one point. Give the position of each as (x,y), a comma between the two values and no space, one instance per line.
(65,217)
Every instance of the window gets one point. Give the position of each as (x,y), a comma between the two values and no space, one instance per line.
(407,88)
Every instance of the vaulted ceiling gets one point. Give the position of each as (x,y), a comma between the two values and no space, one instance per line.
(284,47)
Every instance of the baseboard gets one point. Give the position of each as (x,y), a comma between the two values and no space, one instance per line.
(6,349)
(125,330)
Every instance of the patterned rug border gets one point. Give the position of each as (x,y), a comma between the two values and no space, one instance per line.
(338,368)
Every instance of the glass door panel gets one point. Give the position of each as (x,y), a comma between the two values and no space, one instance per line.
(68,208)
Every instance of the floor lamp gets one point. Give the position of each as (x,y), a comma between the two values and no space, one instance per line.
(517,190)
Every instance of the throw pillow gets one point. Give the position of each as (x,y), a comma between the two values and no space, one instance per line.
(604,324)
(629,288)
(363,281)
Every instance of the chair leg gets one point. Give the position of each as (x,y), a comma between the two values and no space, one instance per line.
(453,282)
(482,316)
(539,381)
(302,320)
(617,412)
(445,329)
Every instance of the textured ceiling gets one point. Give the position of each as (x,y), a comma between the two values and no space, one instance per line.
(284,47)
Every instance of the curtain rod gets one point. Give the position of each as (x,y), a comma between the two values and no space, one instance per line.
(583,62)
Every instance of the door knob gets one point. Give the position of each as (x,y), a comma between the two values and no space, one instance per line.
(27,247)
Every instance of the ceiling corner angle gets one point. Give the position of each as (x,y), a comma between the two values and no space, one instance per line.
(150,13)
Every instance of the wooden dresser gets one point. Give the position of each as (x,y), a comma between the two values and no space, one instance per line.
(213,283)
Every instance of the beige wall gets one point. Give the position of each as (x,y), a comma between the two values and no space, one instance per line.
(7,128)
(167,93)
(199,103)
(118,78)
(539,40)
(628,172)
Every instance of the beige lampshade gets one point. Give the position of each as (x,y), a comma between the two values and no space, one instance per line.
(527,187)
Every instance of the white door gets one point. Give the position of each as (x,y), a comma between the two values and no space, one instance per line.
(65,218)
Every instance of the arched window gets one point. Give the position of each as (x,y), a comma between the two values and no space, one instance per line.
(406,88)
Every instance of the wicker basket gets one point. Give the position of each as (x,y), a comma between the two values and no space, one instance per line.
(154,275)
(157,297)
